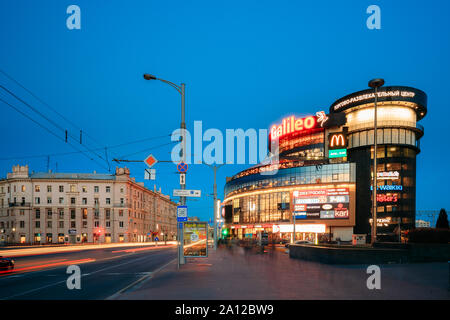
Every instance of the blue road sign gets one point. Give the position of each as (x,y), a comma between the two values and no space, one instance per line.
(156,239)
(182,167)
(182,219)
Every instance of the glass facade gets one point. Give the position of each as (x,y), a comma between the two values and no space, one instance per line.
(274,205)
(322,173)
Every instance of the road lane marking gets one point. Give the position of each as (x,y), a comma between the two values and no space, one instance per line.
(82,275)
(139,282)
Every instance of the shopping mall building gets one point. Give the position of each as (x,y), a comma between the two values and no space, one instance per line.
(322,183)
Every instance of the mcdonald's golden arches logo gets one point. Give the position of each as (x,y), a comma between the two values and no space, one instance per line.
(337,140)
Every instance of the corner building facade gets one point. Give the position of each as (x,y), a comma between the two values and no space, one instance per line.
(41,208)
(321,184)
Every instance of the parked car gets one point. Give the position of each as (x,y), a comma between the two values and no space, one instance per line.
(6,263)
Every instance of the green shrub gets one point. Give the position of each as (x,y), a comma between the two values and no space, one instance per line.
(429,235)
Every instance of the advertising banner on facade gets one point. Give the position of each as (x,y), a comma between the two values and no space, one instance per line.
(324,203)
(195,237)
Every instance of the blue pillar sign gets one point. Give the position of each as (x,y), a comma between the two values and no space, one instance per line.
(182,213)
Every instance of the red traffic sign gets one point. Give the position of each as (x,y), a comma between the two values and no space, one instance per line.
(150,161)
(182,167)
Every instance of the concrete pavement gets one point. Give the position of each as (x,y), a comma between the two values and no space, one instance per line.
(238,273)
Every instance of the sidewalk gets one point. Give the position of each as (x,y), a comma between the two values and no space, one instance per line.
(237,273)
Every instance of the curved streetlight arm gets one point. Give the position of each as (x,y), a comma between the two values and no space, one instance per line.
(177,87)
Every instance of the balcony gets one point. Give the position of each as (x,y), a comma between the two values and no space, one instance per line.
(20,204)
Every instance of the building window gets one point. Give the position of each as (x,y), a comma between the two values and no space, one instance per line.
(37,188)
(72,213)
(95,200)
(49,200)
(107,213)
(38,214)
(38,224)
(84,224)
(96,189)
(49,188)
(108,200)
(84,213)
(96,224)
(108,189)
(49,224)
(72,224)
(61,188)
(120,224)
(21,224)
(61,200)
(61,224)
(96,214)
(49,214)
(84,201)
(84,189)
(72,200)
(108,224)
(121,190)
(23,188)
(120,213)
(73,188)
(37,200)
(61,214)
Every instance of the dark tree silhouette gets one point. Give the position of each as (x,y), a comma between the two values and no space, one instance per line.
(442,221)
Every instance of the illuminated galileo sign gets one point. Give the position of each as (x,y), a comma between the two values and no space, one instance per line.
(292,124)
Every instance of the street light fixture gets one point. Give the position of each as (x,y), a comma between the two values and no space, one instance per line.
(181,90)
(375,83)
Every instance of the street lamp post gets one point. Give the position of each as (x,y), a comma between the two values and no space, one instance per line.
(181,91)
(215,167)
(375,83)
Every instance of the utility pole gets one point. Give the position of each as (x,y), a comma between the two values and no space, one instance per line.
(215,211)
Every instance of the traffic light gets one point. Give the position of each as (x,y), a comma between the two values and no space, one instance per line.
(224,232)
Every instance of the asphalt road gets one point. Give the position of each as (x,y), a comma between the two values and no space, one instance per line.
(104,273)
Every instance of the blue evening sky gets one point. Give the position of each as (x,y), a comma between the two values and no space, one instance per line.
(246,64)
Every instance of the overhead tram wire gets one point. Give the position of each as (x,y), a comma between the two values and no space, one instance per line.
(49,120)
(47,105)
(75,152)
(50,131)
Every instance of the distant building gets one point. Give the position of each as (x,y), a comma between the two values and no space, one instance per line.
(423,224)
(41,208)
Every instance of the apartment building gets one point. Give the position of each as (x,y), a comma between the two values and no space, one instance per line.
(40,208)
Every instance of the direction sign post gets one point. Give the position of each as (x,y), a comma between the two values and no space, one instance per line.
(187,193)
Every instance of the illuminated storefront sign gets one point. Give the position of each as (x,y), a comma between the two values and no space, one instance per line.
(330,203)
(388,175)
(387,197)
(371,95)
(392,187)
(382,222)
(337,153)
(291,125)
(337,140)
